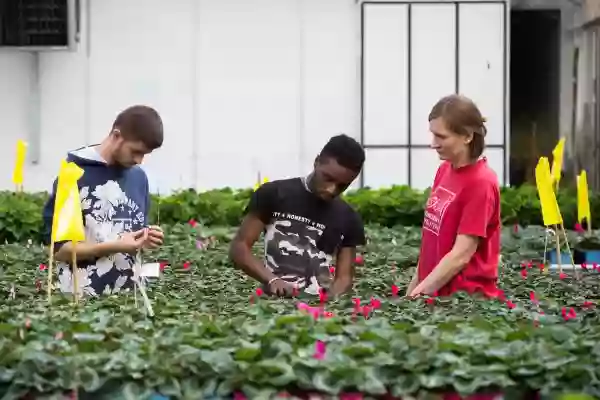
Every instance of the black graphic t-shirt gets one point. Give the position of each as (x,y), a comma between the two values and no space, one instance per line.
(303,233)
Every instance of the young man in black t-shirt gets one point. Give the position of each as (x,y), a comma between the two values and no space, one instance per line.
(306,226)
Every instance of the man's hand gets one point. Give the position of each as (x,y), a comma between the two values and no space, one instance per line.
(132,242)
(279,287)
(155,237)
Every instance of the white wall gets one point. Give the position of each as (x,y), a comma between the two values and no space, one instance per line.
(243,87)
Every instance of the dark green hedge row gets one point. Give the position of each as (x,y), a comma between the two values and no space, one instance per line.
(20,213)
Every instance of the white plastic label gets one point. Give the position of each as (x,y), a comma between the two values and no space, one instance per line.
(151,270)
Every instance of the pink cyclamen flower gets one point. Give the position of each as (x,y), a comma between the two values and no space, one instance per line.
(562,275)
(579,228)
(568,314)
(375,303)
(186,265)
(532,297)
(319,350)
(322,296)
(351,396)
(315,313)
(524,273)
(43,267)
(510,304)
(541,267)
(239,396)
(395,290)
(366,310)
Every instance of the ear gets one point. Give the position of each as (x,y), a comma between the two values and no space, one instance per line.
(116,133)
(316,162)
(469,138)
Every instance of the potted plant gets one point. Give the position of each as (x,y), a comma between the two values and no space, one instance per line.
(565,256)
(589,246)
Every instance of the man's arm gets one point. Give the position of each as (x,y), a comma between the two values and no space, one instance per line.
(88,251)
(258,214)
(63,251)
(344,271)
(240,250)
(354,236)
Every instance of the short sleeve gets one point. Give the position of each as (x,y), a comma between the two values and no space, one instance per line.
(263,201)
(479,205)
(354,232)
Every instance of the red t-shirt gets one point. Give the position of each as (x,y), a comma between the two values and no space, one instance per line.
(463,201)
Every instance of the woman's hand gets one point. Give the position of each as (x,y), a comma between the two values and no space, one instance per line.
(413,283)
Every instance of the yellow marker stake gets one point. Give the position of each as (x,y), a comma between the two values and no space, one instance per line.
(583,201)
(17,177)
(67,223)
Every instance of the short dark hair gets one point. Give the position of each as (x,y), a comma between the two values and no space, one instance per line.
(141,123)
(346,151)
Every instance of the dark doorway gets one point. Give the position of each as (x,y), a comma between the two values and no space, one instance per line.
(534,89)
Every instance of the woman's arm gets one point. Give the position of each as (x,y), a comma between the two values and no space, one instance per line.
(479,206)
(450,265)
(413,282)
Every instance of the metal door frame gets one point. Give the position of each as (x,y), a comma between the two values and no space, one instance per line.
(409,145)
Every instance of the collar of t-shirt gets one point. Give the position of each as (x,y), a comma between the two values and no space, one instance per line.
(470,167)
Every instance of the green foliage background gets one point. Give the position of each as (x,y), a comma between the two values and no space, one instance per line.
(20,213)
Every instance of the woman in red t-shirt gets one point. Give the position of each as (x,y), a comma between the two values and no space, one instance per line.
(460,245)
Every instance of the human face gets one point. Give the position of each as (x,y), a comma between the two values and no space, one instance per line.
(449,145)
(330,179)
(128,153)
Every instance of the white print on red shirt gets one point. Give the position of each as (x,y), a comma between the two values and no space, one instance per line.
(439,200)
